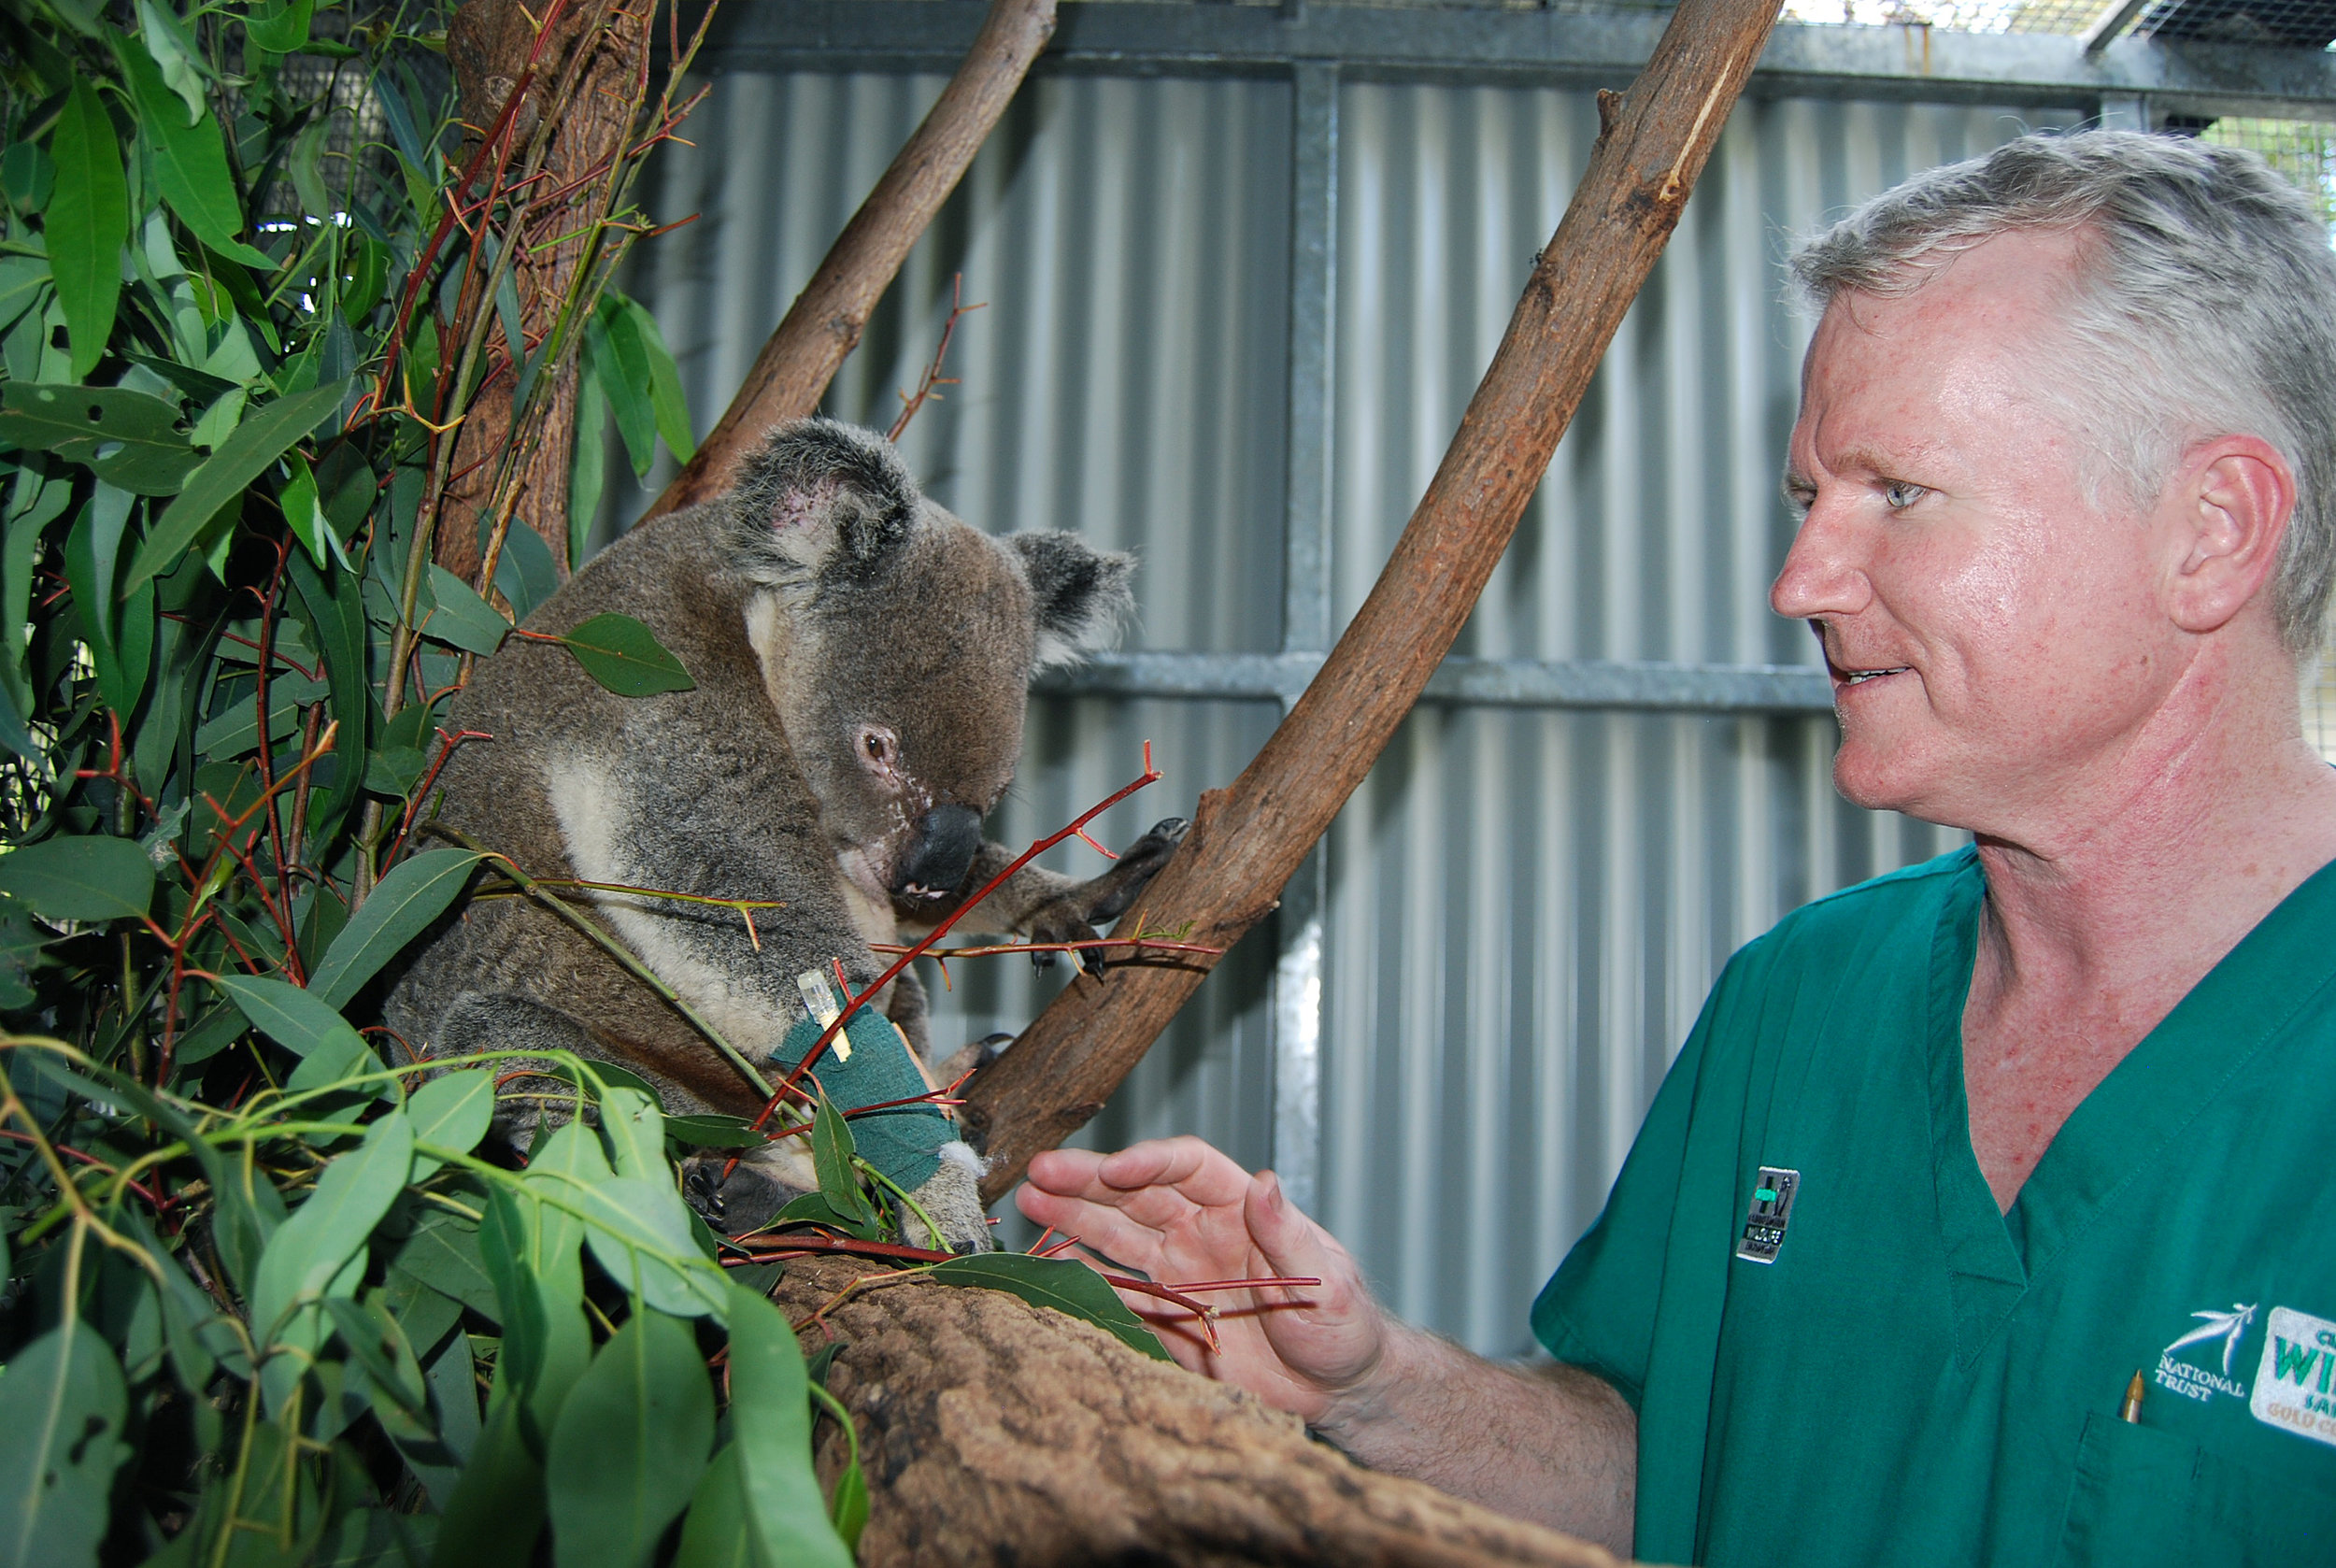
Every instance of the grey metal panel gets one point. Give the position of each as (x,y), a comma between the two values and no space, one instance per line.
(1526,908)
(1521,911)
(1657,685)
(1129,242)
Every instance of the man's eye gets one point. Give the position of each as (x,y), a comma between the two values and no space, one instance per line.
(1898,496)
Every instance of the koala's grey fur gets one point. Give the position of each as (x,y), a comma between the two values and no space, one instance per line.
(862,660)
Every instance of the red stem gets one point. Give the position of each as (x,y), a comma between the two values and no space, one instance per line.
(70,1152)
(818,1047)
(489,151)
(413,803)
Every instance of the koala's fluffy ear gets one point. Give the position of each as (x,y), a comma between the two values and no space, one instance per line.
(821,500)
(1080,593)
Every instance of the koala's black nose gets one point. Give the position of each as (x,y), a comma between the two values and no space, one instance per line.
(946,841)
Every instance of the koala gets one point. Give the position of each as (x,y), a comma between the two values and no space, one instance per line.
(862,660)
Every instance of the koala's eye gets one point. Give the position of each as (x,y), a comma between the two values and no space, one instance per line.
(879,748)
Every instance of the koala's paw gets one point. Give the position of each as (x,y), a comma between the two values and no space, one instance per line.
(1073,918)
(971,1059)
(952,1195)
(748,1200)
(1137,864)
(702,1188)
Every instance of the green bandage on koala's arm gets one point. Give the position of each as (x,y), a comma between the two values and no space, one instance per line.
(905,1141)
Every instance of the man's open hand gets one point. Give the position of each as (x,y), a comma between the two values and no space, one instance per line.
(1183,1213)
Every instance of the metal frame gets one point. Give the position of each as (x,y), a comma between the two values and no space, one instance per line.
(2123,81)
(1563,47)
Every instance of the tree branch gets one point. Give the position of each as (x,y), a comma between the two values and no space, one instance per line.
(1247,840)
(998,1434)
(792,373)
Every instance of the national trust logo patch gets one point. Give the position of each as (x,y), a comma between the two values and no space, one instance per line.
(2295,1387)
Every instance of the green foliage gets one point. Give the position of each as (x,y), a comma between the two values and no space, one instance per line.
(274,1295)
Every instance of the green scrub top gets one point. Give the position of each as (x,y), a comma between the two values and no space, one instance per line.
(1914,1376)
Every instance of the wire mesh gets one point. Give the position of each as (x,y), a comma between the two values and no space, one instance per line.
(1953,16)
(2290,23)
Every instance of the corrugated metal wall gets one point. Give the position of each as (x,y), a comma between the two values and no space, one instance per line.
(1525,907)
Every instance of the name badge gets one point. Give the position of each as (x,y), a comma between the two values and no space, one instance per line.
(1772,1210)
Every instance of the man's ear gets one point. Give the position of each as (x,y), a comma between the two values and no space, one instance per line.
(1080,593)
(2229,503)
(820,499)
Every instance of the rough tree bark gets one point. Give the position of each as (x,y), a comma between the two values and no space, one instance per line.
(488,44)
(1247,840)
(792,373)
(997,1434)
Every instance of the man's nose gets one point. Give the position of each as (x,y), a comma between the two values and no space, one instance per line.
(1824,571)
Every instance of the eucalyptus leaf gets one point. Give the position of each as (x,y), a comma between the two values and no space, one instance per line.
(299,1021)
(87,223)
(279,27)
(717,1532)
(265,435)
(770,1416)
(625,657)
(1061,1283)
(81,878)
(812,1208)
(460,616)
(21,946)
(13,734)
(620,366)
(640,1234)
(525,573)
(711,1130)
(27,176)
(221,1028)
(190,156)
(311,1248)
(496,1509)
(172,53)
(633,1126)
(630,1445)
(130,438)
(377,1342)
(443,1253)
(831,1157)
(62,1410)
(670,408)
(451,1111)
(401,907)
(235,732)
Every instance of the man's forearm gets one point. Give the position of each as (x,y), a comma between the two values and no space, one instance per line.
(1556,1445)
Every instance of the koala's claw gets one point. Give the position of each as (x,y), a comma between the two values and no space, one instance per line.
(701,1187)
(1137,866)
(969,1060)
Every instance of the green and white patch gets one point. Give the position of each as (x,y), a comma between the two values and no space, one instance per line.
(2295,1387)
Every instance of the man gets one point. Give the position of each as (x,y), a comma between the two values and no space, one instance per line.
(1953,1156)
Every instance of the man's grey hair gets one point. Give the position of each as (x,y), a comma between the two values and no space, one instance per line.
(2205,306)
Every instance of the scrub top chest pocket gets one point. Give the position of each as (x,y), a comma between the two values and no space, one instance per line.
(2142,1496)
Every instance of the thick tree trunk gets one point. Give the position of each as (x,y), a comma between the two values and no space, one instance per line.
(790,375)
(1247,840)
(489,44)
(997,1434)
